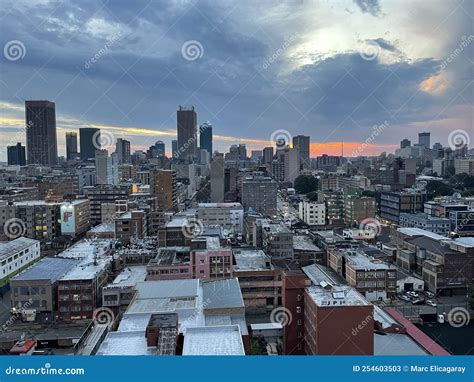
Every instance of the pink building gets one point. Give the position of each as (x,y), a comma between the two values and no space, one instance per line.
(203,259)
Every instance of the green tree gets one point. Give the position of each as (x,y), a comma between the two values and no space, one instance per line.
(312,196)
(438,188)
(305,184)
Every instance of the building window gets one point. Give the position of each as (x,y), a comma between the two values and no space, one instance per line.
(298,309)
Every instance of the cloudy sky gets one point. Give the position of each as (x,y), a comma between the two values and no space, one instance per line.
(334,70)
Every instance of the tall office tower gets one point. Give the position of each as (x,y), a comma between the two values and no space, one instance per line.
(89,141)
(292,164)
(71,146)
(301,143)
(174,148)
(424,139)
(256,155)
(405,143)
(259,194)
(16,155)
(107,170)
(217,178)
(41,141)
(187,133)
(122,148)
(158,149)
(267,155)
(205,137)
(242,152)
(164,187)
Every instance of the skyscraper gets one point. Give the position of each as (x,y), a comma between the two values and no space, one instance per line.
(205,137)
(268,155)
(405,143)
(187,133)
(16,155)
(424,139)
(217,178)
(174,148)
(301,143)
(71,146)
(122,148)
(89,138)
(41,141)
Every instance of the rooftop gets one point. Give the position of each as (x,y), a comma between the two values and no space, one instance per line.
(126,343)
(167,256)
(304,243)
(213,340)
(220,205)
(359,260)
(8,248)
(251,260)
(334,296)
(222,294)
(129,277)
(420,232)
(48,268)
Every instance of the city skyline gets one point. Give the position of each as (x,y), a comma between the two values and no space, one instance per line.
(333,82)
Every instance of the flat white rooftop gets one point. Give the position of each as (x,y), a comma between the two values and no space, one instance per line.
(213,340)
(341,295)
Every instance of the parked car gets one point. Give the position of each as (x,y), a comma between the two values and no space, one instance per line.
(403,297)
(431,303)
(418,302)
(428,294)
(412,294)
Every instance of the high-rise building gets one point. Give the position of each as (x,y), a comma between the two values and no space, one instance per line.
(424,139)
(157,150)
(89,138)
(242,152)
(187,133)
(16,155)
(205,137)
(301,143)
(71,146)
(259,194)
(122,149)
(405,143)
(106,168)
(267,155)
(217,178)
(41,141)
(164,187)
(174,148)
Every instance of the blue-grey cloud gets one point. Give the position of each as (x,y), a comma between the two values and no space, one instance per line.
(369,6)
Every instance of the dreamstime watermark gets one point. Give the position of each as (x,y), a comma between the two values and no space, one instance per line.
(458,139)
(192,50)
(102,51)
(466,40)
(280,138)
(14,50)
(281,316)
(103,316)
(376,131)
(103,140)
(371,227)
(15,317)
(45,370)
(192,227)
(277,53)
(370,51)
(459,317)
(14,228)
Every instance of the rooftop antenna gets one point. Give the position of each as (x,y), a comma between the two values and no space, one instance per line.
(342,149)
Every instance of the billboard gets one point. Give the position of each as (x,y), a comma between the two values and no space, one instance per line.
(68,221)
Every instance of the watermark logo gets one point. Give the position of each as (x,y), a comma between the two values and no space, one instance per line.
(465,41)
(192,50)
(103,140)
(281,316)
(280,138)
(14,50)
(14,228)
(192,227)
(277,53)
(103,316)
(370,51)
(102,51)
(458,139)
(371,227)
(459,317)
(376,131)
